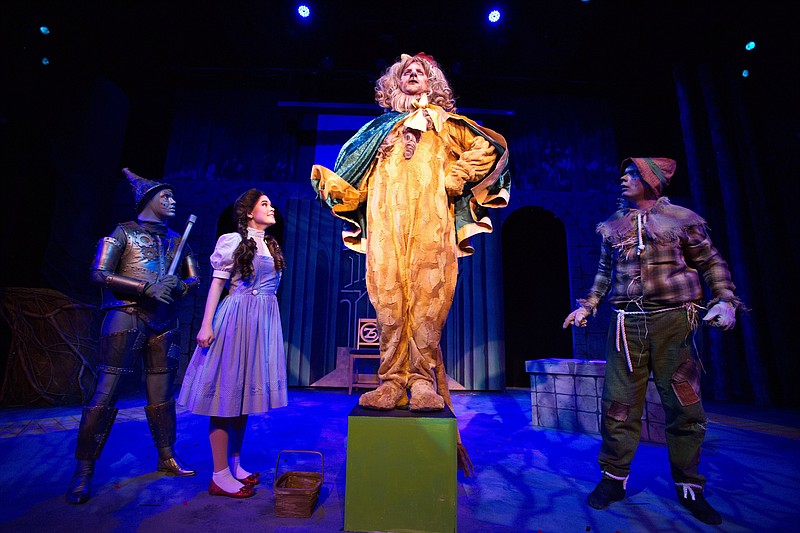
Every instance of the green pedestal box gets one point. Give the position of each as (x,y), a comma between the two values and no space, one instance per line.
(401,471)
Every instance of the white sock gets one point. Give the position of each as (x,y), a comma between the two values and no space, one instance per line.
(225,480)
(238,471)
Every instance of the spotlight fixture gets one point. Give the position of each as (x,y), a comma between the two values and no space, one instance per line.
(494,16)
(745,73)
(44,30)
(45,61)
(750,45)
(303,10)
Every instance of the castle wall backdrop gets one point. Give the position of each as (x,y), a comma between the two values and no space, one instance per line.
(213,132)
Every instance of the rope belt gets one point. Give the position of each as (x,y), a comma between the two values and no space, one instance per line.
(691,316)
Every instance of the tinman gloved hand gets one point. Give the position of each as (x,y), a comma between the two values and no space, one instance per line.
(160,291)
(178,286)
(171,281)
(721,315)
(577,318)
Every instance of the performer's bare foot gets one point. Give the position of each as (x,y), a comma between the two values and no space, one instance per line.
(384,398)
(424,398)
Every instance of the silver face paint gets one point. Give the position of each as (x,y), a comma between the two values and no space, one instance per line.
(163,204)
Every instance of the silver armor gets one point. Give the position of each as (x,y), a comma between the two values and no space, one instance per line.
(131,259)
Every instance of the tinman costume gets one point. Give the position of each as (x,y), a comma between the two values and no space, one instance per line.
(134,257)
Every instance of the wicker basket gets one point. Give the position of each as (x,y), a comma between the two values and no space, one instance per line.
(296,493)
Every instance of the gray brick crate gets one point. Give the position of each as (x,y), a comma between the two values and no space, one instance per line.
(567,394)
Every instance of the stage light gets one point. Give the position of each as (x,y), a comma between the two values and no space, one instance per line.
(750,45)
(494,16)
(45,61)
(303,10)
(745,73)
(44,30)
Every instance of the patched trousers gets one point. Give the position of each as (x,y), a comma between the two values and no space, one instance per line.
(659,343)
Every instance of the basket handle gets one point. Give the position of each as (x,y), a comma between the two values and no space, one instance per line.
(278,462)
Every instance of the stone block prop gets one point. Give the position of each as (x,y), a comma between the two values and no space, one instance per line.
(401,471)
(567,394)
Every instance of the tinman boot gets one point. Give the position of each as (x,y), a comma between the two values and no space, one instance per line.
(691,497)
(80,487)
(607,491)
(95,427)
(163,426)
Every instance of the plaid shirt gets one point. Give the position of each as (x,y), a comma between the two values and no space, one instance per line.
(667,272)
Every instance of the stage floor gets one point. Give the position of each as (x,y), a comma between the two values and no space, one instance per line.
(527,478)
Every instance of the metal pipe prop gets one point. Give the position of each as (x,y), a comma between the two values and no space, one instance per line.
(177,257)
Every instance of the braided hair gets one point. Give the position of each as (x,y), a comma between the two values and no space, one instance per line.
(244,253)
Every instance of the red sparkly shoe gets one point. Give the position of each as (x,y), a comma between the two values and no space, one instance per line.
(252,480)
(244,492)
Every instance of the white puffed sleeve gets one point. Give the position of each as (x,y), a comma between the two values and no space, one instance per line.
(222,258)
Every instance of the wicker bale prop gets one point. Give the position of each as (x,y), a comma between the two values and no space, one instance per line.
(296,492)
(53,348)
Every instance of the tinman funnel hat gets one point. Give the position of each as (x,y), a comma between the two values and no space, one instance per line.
(144,189)
(656,171)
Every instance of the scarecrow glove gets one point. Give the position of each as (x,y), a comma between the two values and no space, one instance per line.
(577,318)
(721,315)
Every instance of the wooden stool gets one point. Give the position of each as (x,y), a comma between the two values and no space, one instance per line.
(367,347)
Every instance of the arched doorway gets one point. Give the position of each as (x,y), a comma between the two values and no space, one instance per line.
(535,290)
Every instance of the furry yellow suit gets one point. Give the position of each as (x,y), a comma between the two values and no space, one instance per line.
(417,198)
